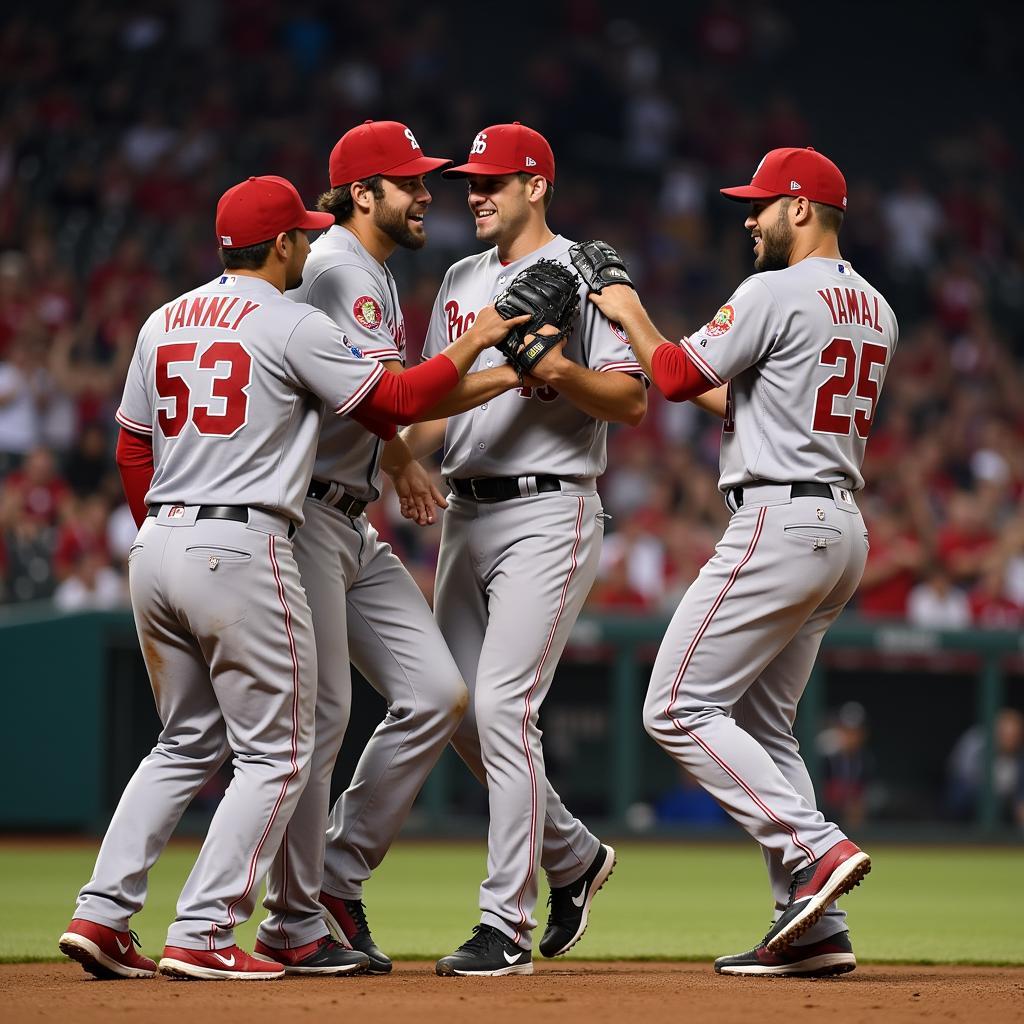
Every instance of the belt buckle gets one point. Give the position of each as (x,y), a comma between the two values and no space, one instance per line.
(472,489)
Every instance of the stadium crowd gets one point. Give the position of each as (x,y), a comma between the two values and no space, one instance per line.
(112,157)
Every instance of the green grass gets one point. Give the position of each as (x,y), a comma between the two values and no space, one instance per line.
(672,901)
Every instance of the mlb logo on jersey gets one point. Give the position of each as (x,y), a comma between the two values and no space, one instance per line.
(356,351)
(228,280)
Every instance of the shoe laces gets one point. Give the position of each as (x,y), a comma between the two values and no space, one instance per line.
(357,911)
(481,941)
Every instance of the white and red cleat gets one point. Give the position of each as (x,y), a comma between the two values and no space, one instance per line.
(104,952)
(230,964)
(814,888)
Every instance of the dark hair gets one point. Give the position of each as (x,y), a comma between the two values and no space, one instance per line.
(338,201)
(829,217)
(548,196)
(250,257)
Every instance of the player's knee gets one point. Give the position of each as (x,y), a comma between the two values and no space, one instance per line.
(455,698)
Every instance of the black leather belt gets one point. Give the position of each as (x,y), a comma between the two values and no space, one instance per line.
(501,488)
(236,513)
(345,503)
(801,489)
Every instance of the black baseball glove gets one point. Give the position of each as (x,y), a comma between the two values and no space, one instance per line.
(599,264)
(549,292)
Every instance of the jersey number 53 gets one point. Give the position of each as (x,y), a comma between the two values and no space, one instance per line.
(853,375)
(222,407)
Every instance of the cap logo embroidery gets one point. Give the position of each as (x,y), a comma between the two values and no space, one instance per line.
(225,239)
(412,138)
(795,185)
(479,144)
(530,162)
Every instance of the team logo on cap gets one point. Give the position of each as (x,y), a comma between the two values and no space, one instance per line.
(367,312)
(479,144)
(412,138)
(721,322)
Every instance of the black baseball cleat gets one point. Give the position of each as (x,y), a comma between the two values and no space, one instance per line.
(814,888)
(487,953)
(570,905)
(823,959)
(347,921)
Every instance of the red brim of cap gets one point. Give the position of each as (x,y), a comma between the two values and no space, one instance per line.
(743,193)
(315,221)
(465,170)
(421,165)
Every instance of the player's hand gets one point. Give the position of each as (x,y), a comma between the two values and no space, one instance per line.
(549,364)
(618,302)
(489,328)
(417,495)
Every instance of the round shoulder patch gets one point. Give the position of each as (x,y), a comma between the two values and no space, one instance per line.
(366,309)
(721,321)
(619,332)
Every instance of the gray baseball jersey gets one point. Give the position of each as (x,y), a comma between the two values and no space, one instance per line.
(359,294)
(527,430)
(366,609)
(805,351)
(232,375)
(512,577)
(229,381)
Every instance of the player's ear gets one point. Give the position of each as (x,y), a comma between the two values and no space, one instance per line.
(362,196)
(282,245)
(536,187)
(800,211)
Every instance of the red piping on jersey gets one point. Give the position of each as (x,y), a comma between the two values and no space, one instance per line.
(676,375)
(250,881)
(526,721)
(716,604)
(405,397)
(135,464)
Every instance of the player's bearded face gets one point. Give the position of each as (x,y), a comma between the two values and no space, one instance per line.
(399,215)
(775,240)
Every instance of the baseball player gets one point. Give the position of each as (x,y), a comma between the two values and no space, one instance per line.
(794,362)
(219,421)
(366,607)
(519,552)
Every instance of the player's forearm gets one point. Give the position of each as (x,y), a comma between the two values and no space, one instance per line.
(644,337)
(424,438)
(613,396)
(403,398)
(473,390)
(395,456)
(713,401)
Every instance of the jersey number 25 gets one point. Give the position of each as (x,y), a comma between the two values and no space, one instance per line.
(228,406)
(850,377)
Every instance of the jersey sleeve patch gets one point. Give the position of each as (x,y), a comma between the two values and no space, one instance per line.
(721,321)
(619,332)
(367,312)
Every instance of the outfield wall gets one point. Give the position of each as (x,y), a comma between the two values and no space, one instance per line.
(79,716)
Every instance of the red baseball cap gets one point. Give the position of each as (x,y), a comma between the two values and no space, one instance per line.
(379,147)
(794,172)
(259,209)
(507,149)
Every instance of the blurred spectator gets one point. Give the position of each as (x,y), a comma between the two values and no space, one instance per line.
(936,604)
(92,586)
(966,767)
(846,766)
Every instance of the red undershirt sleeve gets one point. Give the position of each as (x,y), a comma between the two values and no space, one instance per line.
(404,397)
(676,375)
(135,464)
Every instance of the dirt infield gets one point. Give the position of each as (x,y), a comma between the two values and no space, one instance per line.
(637,993)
